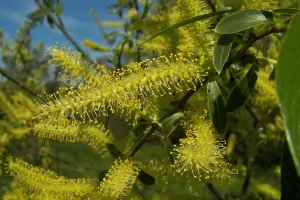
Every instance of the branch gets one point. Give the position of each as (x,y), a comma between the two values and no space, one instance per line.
(21,85)
(254,38)
(119,64)
(213,190)
(211,5)
(253,151)
(97,21)
(180,106)
(64,31)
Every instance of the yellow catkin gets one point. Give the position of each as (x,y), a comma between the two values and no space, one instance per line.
(200,153)
(119,180)
(95,135)
(164,75)
(44,182)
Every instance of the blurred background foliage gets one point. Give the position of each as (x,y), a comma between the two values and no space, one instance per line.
(26,76)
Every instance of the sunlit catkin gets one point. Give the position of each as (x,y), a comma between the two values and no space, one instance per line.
(119,180)
(162,76)
(200,154)
(41,181)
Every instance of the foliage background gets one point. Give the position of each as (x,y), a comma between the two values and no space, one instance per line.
(254,154)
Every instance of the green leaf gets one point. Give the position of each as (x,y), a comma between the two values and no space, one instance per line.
(288,11)
(287,87)
(146,178)
(102,174)
(222,51)
(243,20)
(290,181)
(242,90)
(187,21)
(114,151)
(216,107)
(58,10)
(36,15)
(171,123)
(146,9)
(50,22)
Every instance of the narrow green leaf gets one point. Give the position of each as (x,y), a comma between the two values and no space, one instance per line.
(288,11)
(222,51)
(114,151)
(146,178)
(216,107)
(50,22)
(171,123)
(242,90)
(37,14)
(187,21)
(287,87)
(102,174)
(243,20)
(290,181)
(58,10)
(146,9)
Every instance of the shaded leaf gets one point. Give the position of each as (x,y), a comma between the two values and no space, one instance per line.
(288,11)
(171,123)
(290,181)
(221,51)
(114,151)
(242,90)
(243,20)
(216,107)
(187,21)
(287,87)
(146,178)
(102,174)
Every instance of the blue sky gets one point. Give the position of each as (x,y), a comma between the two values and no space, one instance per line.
(76,17)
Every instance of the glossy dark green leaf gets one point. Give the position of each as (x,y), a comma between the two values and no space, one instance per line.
(243,20)
(187,21)
(146,178)
(272,74)
(216,107)
(290,181)
(242,90)
(171,123)
(221,51)
(288,11)
(288,86)
(102,174)
(50,22)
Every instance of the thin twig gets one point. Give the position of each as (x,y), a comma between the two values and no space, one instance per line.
(66,34)
(21,85)
(180,106)
(119,64)
(211,5)
(213,190)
